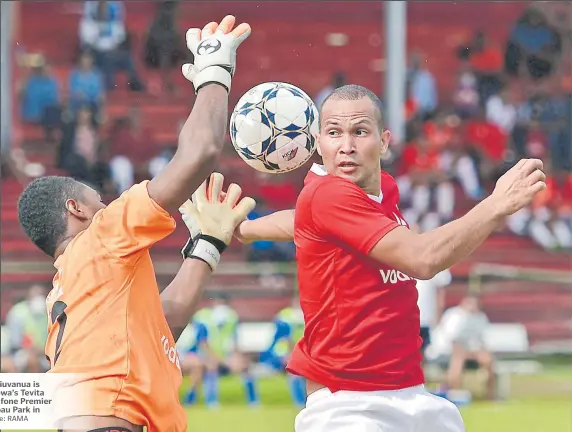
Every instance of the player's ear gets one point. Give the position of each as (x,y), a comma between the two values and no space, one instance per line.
(73,207)
(385,138)
(318,144)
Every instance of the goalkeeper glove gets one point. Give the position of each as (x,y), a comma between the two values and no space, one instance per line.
(211,222)
(214,49)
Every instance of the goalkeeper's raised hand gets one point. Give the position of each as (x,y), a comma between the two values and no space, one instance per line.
(214,48)
(212,219)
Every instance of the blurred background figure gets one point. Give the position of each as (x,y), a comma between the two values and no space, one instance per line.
(222,354)
(338,80)
(165,46)
(102,30)
(289,329)
(27,324)
(190,346)
(40,97)
(460,342)
(86,86)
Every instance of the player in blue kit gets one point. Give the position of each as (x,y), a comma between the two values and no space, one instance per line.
(289,328)
(189,345)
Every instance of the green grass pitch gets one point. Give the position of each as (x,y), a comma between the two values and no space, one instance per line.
(543,404)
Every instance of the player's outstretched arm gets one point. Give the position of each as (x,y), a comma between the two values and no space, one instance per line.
(424,255)
(211,222)
(278,226)
(202,137)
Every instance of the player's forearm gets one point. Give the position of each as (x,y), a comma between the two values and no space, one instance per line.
(200,143)
(181,298)
(277,226)
(449,244)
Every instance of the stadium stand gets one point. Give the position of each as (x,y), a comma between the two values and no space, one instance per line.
(275,52)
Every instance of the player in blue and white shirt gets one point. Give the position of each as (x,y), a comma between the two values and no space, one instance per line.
(289,328)
(189,345)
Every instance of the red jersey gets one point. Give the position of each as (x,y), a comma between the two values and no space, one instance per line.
(361,317)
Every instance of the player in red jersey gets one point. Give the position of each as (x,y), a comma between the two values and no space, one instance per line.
(357,265)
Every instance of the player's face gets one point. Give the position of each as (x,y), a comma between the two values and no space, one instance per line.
(351,143)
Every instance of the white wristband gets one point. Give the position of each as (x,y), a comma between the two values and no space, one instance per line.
(207,252)
(216,74)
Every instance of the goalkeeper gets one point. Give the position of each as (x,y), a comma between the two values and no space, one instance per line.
(107,321)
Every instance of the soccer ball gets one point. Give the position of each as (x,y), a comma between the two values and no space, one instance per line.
(273,127)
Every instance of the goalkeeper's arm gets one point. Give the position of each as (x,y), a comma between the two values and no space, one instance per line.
(203,135)
(181,298)
(277,226)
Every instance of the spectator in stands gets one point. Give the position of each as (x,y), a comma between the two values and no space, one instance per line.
(501,111)
(466,97)
(40,98)
(554,112)
(80,151)
(456,161)
(102,30)
(488,143)
(27,324)
(423,85)
(459,340)
(164,48)
(485,58)
(338,80)
(533,46)
(422,182)
(134,152)
(6,359)
(549,219)
(86,85)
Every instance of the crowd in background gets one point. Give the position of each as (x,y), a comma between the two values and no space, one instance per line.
(512,99)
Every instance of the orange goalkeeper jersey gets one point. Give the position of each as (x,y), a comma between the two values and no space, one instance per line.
(106,321)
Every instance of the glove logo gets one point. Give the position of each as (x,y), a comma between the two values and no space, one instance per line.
(208,46)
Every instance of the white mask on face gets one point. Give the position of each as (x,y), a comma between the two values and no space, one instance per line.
(37,305)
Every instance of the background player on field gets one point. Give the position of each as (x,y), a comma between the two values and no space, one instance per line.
(106,317)
(357,264)
(220,352)
(289,323)
(189,345)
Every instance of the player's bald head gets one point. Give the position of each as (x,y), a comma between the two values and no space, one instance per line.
(354,92)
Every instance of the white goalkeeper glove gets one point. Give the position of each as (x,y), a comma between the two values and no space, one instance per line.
(214,49)
(212,221)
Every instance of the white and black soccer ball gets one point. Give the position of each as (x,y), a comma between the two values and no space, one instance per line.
(273,127)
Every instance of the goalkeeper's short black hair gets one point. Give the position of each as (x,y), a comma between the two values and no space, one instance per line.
(357,92)
(42,210)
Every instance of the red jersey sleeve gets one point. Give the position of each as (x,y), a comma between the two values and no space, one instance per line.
(341,210)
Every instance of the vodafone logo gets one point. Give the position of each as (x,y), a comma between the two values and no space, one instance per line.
(394,276)
(170,352)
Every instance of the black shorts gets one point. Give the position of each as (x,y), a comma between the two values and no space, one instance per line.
(425,334)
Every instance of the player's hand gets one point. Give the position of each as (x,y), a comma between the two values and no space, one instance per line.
(214,48)
(191,223)
(518,186)
(216,218)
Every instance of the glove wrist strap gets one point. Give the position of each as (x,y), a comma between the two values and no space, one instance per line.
(205,248)
(213,75)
